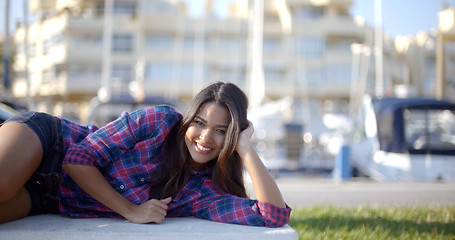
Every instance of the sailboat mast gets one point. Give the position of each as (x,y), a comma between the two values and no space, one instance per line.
(378,49)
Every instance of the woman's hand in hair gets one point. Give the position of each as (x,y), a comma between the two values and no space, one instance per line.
(264,185)
(244,143)
(152,211)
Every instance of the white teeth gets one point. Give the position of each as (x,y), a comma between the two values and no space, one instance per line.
(203,148)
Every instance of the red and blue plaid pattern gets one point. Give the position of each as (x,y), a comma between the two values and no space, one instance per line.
(202,198)
(128,152)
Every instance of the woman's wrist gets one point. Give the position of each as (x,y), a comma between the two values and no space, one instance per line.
(244,149)
(127,211)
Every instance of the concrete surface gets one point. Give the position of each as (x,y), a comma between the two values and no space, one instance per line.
(44,227)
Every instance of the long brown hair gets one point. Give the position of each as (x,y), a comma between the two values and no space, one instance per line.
(227,168)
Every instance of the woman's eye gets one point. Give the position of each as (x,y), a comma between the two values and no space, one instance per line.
(199,123)
(221,131)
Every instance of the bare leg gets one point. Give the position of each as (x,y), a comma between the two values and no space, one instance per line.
(15,208)
(20,156)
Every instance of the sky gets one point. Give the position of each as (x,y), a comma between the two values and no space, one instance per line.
(399,17)
(402,17)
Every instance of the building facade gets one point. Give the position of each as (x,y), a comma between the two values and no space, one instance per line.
(174,55)
(155,48)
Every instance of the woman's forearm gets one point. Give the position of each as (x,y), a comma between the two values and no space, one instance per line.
(91,180)
(265,187)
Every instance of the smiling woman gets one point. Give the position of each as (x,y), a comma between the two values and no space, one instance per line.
(205,136)
(144,166)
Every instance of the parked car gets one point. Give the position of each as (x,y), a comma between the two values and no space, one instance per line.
(6,112)
(406,139)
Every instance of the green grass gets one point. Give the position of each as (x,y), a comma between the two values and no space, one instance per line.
(374,223)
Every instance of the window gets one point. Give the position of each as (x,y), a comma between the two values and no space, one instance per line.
(271,45)
(50,42)
(47,44)
(430,65)
(48,76)
(57,39)
(231,74)
(20,48)
(124,8)
(273,73)
(386,131)
(159,42)
(429,130)
(59,69)
(122,73)
(187,72)
(32,50)
(158,71)
(309,12)
(311,47)
(230,44)
(122,43)
(119,8)
(338,74)
(343,45)
(188,43)
(161,6)
(85,71)
(314,77)
(86,39)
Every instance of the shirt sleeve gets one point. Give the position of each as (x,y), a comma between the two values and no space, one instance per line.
(232,209)
(121,135)
(212,204)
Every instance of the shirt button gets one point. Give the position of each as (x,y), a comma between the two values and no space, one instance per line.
(142,179)
(122,187)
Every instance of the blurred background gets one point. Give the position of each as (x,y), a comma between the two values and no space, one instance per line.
(307,66)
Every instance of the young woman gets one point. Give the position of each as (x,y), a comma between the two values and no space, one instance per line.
(144,166)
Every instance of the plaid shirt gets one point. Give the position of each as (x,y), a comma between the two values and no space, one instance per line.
(128,151)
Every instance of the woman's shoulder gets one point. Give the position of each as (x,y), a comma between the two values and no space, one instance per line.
(162,108)
(161,112)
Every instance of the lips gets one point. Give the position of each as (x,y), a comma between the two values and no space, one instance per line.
(202,149)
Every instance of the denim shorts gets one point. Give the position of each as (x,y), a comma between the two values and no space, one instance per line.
(44,185)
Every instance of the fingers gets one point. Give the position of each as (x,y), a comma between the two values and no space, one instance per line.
(248,132)
(158,206)
(158,209)
(151,211)
(166,201)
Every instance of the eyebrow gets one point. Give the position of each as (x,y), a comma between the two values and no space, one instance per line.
(221,126)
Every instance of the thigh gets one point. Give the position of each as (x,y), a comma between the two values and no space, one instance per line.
(20,155)
(15,208)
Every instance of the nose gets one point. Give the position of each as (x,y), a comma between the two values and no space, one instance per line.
(206,135)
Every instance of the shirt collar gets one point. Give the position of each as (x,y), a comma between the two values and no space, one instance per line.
(206,172)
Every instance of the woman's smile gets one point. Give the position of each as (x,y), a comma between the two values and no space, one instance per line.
(202,149)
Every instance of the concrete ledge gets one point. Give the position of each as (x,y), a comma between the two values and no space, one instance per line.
(51,226)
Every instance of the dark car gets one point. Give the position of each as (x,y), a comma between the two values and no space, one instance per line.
(6,112)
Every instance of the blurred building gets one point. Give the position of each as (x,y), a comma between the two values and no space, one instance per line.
(306,50)
(155,48)
(445,54)
(427,60)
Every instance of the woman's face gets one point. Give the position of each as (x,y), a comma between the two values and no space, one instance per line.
(205,136)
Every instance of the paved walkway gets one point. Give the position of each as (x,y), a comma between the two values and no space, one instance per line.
(300,191)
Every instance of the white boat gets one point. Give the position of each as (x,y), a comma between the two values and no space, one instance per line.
(405,139)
